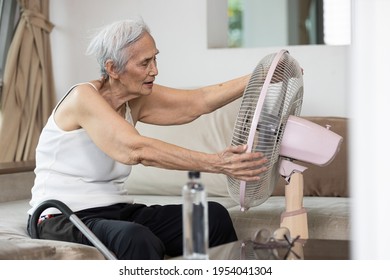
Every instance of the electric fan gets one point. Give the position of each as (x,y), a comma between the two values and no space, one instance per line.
(268,122)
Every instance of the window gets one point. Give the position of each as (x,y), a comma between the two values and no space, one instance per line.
(337,22)
(263,23)
(235,23)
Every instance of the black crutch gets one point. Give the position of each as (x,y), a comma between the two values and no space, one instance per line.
(74,219)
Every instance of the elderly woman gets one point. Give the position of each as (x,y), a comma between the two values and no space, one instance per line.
(90,142)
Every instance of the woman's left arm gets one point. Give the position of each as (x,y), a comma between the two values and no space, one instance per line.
(168,106)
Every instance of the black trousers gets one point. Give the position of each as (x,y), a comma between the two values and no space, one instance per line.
(137,231)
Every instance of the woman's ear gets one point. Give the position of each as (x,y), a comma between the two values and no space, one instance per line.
(111,69)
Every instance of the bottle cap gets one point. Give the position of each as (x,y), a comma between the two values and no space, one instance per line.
(194,174)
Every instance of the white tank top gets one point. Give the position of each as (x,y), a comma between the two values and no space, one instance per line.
(72,169)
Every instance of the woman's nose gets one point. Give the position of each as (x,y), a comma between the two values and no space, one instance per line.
(153,71)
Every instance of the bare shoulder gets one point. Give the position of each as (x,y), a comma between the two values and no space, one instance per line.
(82,100)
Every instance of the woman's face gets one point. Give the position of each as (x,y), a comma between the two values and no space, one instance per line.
(141,69)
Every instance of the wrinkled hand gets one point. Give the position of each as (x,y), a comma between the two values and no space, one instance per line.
(235,162)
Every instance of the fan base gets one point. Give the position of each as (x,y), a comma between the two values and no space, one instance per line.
(296,222)
(295,216)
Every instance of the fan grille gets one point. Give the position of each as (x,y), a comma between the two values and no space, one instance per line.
(282,97)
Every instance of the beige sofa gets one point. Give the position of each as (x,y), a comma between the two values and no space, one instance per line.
(326,191)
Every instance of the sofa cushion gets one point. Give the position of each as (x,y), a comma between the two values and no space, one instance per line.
(328,217)
(209,133)
(22,250)
(34,249)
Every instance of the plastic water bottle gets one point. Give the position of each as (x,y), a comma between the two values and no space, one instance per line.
(195,219)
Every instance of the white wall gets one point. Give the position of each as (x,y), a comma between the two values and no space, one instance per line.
(180,30)
(369,108)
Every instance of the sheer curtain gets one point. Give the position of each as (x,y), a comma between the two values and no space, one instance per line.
(28,90)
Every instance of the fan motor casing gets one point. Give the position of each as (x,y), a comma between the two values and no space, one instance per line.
(309,142)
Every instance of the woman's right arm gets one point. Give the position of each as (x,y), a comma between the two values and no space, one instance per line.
(122,142)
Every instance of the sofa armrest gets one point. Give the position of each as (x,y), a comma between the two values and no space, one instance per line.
(16,167)
(16,180)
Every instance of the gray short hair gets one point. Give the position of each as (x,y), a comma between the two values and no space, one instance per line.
(112,40)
